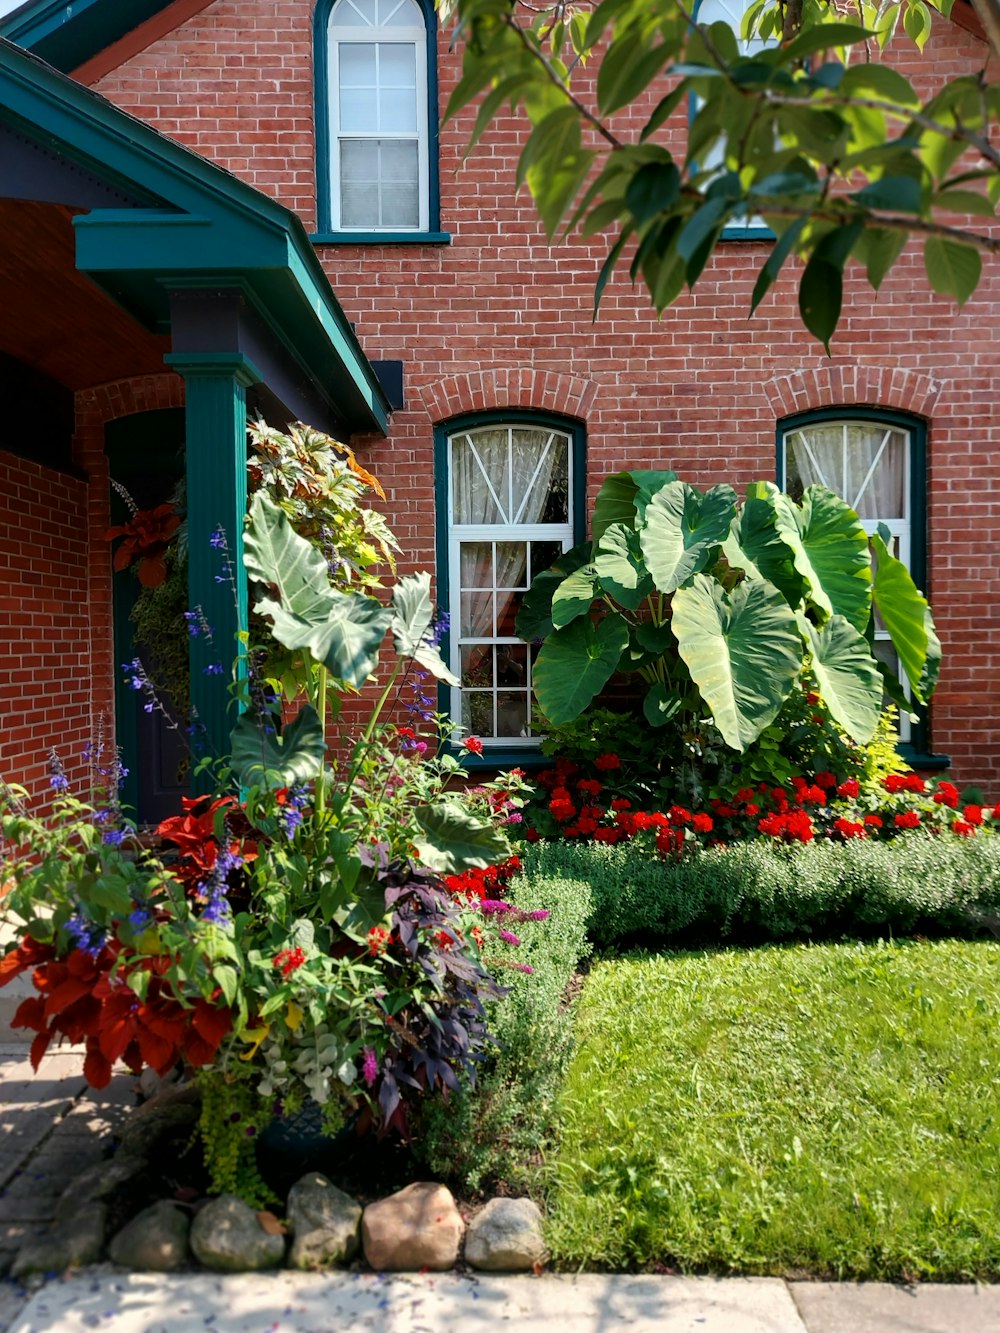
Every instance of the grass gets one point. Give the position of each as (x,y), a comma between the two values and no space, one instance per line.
(829,1109)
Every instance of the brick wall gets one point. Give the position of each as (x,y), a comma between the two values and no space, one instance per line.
(45,695)
(500,319)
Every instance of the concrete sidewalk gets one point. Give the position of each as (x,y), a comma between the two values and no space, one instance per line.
(52,1126)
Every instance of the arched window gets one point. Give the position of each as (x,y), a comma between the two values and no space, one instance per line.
(510,502)
(875,461)
(376,118)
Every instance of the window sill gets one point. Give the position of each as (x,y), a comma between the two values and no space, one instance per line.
(754,232)
(381,238)
(917,759)
(492,760)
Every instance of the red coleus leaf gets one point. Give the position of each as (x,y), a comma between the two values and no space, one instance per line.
(157,1052)
(31,1014)
(65,994)
(29,953)
(132,1057)
(79,1020)
(38,1048)
(115,1035)
(211,1023)
(197,1051)
(96,1069)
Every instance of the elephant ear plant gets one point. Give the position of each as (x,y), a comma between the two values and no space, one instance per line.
(722,607)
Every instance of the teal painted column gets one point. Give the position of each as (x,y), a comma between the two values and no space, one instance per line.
(216,447)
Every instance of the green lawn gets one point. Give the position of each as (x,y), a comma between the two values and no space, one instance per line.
(826,1109)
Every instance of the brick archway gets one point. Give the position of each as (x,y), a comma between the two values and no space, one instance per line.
(850,384)
(508,387)
(94,408)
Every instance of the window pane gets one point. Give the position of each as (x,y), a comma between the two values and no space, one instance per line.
(512,664)
(508,605)
(477,712)
(876,472)
(543,556)
(400,206)
(366,198)
(400,14)
(477,666)
(476,564)
(358,109)
(512,714)
(479,463)
(476,618)
(512,565)
(354,13)
(540,476)
(357,64)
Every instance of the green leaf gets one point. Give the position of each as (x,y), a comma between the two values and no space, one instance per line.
(881,81)
(782,248)
(900,194)
(821,38)
(847,675)
(413,612)
(574,596)
(682,529)
(660,705)
(608,267)
(656,639)
(619,498)
(226,978)
(755,544)
(452,838)
(906,614)
(554,164)
(820,297)
(534,617)
(272,761)
(654,188)
(952,269)
(629,65)
(743,651)
(965,201)
(341,630)
(830,550)
(574,665)
(619,565)
(878,249)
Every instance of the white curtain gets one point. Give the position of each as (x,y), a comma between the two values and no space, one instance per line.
(865,463)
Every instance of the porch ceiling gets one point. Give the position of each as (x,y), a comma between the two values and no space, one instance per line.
(57,320)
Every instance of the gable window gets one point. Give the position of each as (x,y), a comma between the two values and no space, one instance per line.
(875,461)
(510,511)
(378,119)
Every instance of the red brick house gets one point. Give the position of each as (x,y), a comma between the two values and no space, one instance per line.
(169,164)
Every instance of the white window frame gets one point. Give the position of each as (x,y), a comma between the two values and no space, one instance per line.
(343,34)
(900,528)
(457,533)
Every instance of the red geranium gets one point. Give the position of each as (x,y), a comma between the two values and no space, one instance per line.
(605,763)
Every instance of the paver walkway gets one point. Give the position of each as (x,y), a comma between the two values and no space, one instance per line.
(52,1127)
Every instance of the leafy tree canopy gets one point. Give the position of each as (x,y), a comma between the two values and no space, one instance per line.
(663,132)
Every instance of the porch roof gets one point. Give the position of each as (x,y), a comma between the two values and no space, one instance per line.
(169,222)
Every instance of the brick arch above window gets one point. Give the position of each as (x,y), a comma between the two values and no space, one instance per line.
(509,387)
(846,383)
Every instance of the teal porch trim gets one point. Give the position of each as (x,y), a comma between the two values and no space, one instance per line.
(321,107)
(216,433)
(67,33)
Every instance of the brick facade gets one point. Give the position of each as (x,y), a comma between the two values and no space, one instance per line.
(500,319)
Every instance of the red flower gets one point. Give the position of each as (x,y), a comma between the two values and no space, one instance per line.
(848,788)
(946,794)
(812,699)
(873,821)
(287,960)
(604,763)
(750,809)
(973,814)
(678,815)
(908,819)
(621,803)
(531,835)
(590,786)
(562,808)
(963,829)
(473,744)
(378,940)
(897,782)
(847,828)
(703,823)
(825,779)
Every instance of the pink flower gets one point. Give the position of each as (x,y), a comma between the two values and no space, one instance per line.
(369,1070)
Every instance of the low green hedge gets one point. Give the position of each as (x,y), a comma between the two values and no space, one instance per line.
(495,1131)
(765,891)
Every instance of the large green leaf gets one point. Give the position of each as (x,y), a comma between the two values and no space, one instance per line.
(847,675)
(574,596)
(683,527)
(830,550)
(743,651)
(574,665)
(616,500)
(620,566)
(952,269)
(261,758)
(341,630)
(755,544)
(534,617)
(452,838)
(660,705)
(413,612)
(906,614)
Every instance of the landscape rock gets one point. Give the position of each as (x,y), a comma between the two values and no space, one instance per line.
(155,1240)
(74,1242)
(418,1227)
(171,1114)
(228,1238)
(325,1223)
(506,1237)
(99,1182)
